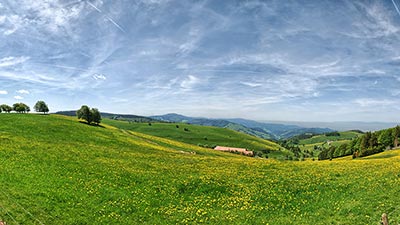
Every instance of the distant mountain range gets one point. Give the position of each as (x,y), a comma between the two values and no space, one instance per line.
(259,129)
(343,125)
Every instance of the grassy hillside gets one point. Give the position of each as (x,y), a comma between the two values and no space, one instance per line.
(55,170)
(318,139)
(198,135)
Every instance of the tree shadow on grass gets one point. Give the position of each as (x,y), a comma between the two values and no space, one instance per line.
(92,124)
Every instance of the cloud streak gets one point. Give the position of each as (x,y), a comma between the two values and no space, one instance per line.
(12,61)
(395,6)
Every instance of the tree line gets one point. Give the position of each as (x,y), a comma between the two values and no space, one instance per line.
(20,107)
(367,144)
(90,115)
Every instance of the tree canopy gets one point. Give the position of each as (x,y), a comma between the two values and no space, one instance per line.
(90,115)
(367,144)
(41,106)
(21,108)
(6,108)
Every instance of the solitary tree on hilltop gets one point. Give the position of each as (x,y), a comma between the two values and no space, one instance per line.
(41,106)
(84,113)
(90,115)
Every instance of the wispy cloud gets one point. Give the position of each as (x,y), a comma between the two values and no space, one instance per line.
(2,92)
(17,97)
(395,6)
(11,61)
(370,102)
(107,17)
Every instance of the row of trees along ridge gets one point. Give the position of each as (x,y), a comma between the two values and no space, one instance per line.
(367,144)
(20,107)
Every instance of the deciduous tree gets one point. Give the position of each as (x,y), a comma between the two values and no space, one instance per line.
(21,108)
(90,115)
(96,116)
(6,108)
(41,106)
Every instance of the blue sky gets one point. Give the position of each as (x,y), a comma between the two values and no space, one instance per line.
(326,60)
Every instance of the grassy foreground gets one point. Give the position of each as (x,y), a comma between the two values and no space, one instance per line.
(55,170)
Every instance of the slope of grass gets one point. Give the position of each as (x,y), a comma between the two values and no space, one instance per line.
(345,135)
(55,170)
(197,135)
(308,144)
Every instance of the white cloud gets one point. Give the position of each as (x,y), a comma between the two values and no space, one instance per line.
(250,84)
(22,91)
(11,23)
(98,76)
(2,92)
(375,71)
(52,15)
(2,19)
(148,52)
(11,61)
(18,97)
(189,82)
(377,23)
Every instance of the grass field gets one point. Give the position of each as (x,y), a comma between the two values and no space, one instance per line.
(55,170)
(197,135)
(318,139)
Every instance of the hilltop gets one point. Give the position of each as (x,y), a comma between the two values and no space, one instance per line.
(56,170)
(124,117)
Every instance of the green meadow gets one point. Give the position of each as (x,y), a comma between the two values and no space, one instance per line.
(57,170)
(205,136)
(318,139)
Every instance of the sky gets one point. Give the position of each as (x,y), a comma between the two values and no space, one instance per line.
(303,60)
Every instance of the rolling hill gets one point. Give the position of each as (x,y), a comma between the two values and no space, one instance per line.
(206,136)
(323,138)
(310,145)
(259,129)
(55,170)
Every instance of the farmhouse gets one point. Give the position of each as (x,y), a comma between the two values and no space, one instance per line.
(234,150)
